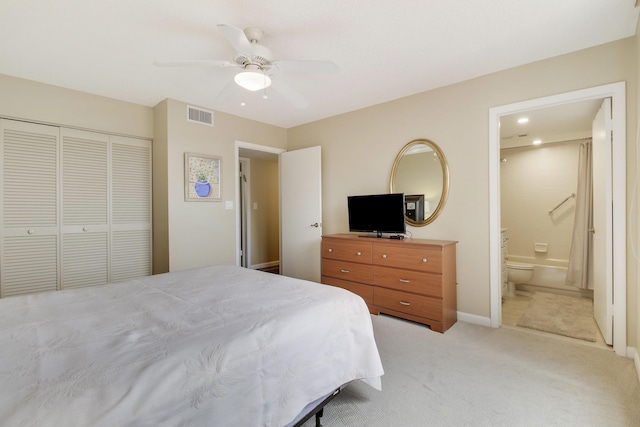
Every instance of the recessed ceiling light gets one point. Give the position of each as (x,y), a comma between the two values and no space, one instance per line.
(537,142)
(523,120)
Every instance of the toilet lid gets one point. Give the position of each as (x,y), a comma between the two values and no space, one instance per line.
(519,266)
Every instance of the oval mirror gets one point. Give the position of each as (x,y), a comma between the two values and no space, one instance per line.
(420,171)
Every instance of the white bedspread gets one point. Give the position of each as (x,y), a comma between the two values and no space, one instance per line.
(216,347)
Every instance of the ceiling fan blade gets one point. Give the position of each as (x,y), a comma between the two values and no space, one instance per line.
(195,63)
(290,94)
(307,66)
(236,37)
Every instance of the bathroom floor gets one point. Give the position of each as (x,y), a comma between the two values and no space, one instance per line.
(513,307)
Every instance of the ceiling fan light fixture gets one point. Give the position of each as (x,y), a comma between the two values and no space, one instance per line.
(252,80)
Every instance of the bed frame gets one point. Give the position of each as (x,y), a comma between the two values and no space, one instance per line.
(318,410)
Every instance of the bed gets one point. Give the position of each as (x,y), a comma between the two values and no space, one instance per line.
(216,346)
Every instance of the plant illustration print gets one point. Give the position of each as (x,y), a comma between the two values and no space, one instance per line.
(203,177)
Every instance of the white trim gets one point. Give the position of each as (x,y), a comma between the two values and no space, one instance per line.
(617,92)
(636,361)
(472,318)
(249,146)
(265,265)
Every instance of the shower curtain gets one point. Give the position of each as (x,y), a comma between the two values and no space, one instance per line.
(577,272)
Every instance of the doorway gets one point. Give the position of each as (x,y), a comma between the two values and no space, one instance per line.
(617,172)
(540,199)
(257,215)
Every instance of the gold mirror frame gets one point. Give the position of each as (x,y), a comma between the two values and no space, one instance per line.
(445,179)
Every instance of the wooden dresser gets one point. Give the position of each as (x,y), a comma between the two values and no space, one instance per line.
(414,279)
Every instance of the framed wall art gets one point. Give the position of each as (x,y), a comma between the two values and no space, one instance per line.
(202,178)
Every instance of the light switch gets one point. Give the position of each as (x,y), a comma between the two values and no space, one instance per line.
(228,204)
(255,206)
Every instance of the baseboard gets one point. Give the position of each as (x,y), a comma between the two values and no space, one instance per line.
(265,265)
(472,318)
(636,361)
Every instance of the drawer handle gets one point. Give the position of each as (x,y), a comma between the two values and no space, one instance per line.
(344,271)
(384,255)
(424,260)
(359,253)
(31,231)
(330,250)
(405,303)
(404,281)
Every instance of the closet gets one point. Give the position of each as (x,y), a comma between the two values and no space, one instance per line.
(75,208)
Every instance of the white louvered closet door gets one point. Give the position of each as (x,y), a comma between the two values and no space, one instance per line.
(131,236)
(29,215)
(75,208)
(85,208)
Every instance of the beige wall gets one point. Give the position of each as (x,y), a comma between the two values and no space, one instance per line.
(38,102)
(265,220)
(456,118)
(533,180)
(200,233)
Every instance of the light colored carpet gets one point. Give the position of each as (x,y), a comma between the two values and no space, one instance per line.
(479,376)
(561,315)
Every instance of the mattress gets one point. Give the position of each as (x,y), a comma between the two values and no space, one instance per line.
(216,346)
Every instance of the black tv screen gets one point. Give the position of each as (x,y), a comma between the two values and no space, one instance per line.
(377,213)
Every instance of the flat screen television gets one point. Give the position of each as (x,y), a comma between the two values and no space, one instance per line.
(377,213)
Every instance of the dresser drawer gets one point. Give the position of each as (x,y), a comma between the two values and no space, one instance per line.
(417,305)
(408,280)
(365,291)
(351,271)
(353,251)
(421,259)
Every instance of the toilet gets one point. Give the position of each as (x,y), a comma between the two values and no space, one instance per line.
(517,272)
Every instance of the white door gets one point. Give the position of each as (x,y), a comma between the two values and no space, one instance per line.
(29,235)
(602,254)
(131,208)
(85,208)
(301,213)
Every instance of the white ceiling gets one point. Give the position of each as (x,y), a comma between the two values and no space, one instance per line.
(385,49)
(549,125)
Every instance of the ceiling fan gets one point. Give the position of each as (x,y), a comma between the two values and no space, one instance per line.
(257,63)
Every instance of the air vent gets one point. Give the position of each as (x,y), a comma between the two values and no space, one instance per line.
(198,115)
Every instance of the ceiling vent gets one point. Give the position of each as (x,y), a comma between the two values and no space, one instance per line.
(198,115)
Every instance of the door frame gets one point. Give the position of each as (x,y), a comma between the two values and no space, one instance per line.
(253,147)
(244,211)
(617,93)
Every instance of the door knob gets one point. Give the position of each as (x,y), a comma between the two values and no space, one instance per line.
(316,225)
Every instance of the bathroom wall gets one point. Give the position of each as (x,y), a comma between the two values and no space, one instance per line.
(265,211)
(533,181)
